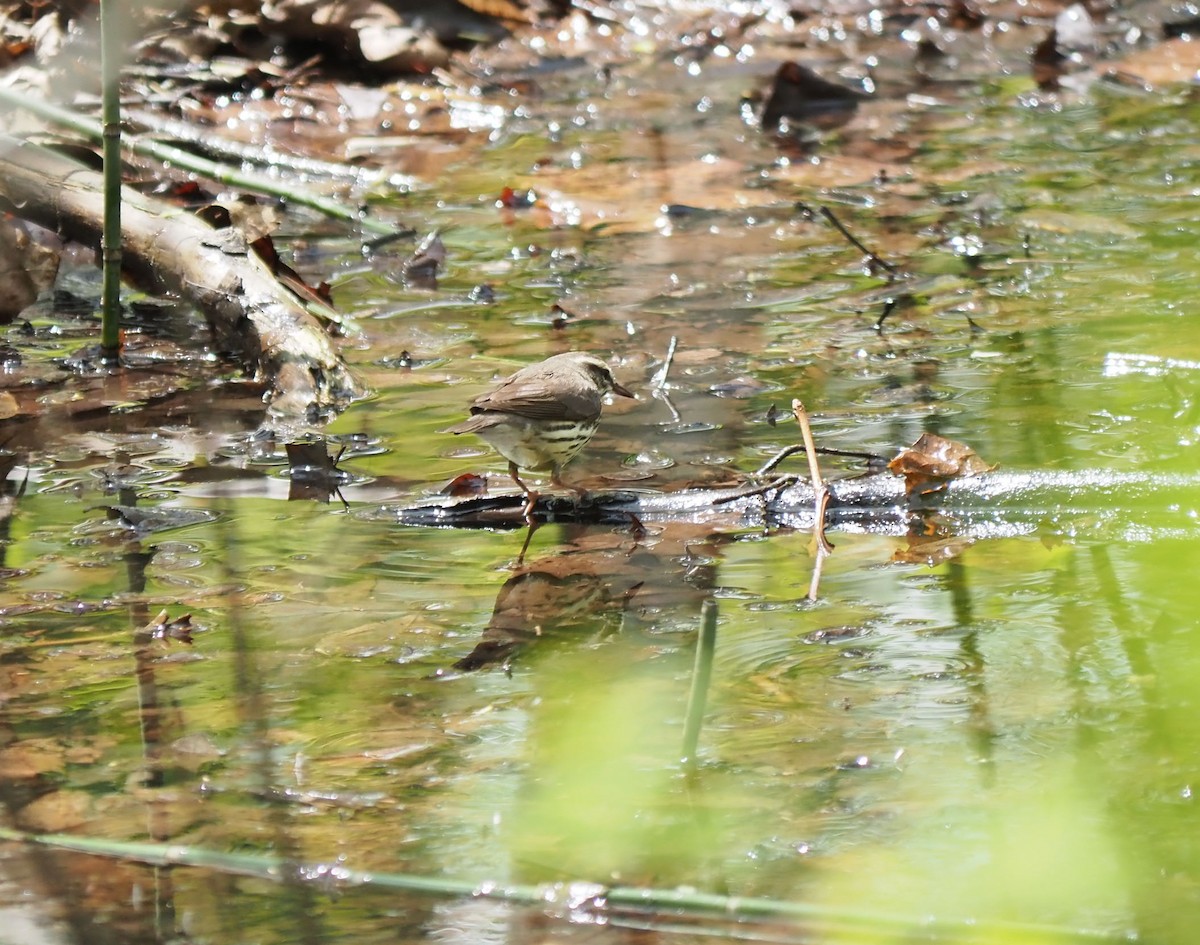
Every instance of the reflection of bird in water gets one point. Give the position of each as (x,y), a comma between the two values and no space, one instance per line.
(584,585)
(525,604)
(540,417)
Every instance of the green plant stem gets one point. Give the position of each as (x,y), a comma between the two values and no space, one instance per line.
(282,189)
(701,676)
(671,904)
(110,242)
(265,155)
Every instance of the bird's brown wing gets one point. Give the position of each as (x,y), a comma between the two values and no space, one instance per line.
(533,397)
(476,423)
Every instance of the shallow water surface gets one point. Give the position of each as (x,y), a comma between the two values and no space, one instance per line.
(1000,731)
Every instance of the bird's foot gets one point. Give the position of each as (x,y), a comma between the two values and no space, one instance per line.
(531,498)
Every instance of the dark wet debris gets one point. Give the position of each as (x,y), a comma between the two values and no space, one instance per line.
(800,95)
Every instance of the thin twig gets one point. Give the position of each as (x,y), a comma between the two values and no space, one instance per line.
(819,489)
(111,53)
(858,244)
(889,306)
(851,238)
(810,448)
(778,458)
(665,397)
(660,376)
(871,459)
(774,484)
(658,384)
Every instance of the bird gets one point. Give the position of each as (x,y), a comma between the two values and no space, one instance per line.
(542,415)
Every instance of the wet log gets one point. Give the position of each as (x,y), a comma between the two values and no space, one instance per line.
(1092,503)
(166,250)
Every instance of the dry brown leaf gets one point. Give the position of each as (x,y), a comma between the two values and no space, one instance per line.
(499,9)
(377,32)
(932,461)
(57,812)
(28,759)
(26,267)
(1176,60)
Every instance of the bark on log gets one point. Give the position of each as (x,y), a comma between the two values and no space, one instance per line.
(167,250)
(1096,503)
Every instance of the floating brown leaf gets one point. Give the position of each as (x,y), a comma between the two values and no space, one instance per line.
(931,462)
(163,628)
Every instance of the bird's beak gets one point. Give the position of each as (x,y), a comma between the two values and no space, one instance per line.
(618,389)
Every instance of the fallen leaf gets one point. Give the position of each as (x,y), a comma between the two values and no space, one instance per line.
(56,812)
(932,461)
(467,484)
(30,758)
(1175,61)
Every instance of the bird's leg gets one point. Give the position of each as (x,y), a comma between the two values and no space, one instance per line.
(531,495)
(513,471)
(534,525)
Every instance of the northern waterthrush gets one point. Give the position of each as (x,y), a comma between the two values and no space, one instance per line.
(540,417)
